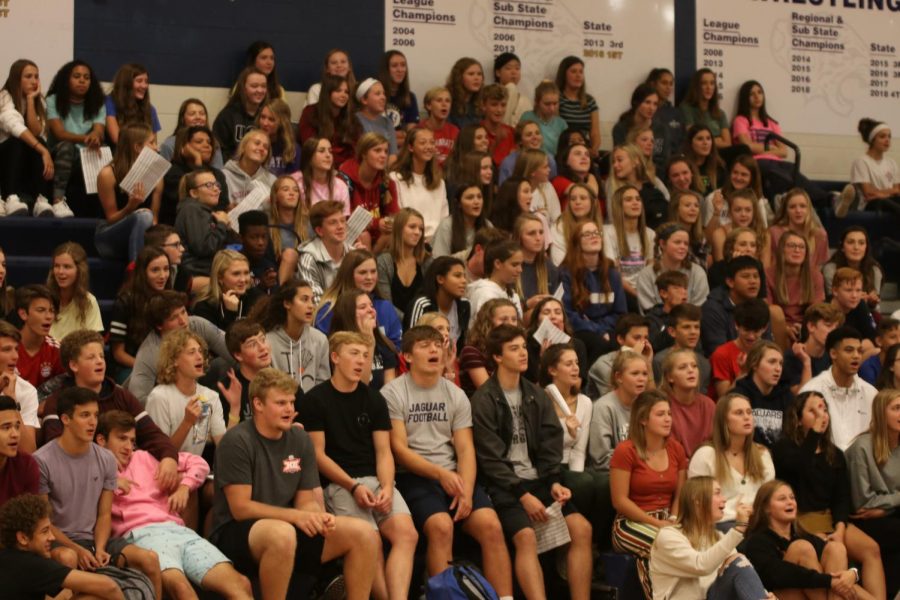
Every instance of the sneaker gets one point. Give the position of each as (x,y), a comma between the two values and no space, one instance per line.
(335,590)
(42,208)
(61,210)
(2,207)
(848,195)
(15,207)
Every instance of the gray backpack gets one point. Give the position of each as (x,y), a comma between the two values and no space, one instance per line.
(134,584)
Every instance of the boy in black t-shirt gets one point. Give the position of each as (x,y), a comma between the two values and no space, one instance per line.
(26,569)
(267,515)
(349,425)
(254,226)
(847,295)
(247,343)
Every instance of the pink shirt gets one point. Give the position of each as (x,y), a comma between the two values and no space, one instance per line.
(818,246)
(146,504)
(339,191)
(757,132)
(692,425)
(794,309)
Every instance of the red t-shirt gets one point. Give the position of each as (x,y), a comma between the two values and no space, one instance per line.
(42,366)
(19,476)
(500,148)
(444,139)
(692,425)
(724,362)
(650,490)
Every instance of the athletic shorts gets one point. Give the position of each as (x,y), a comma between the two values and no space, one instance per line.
(340,502)
(233,539)
(426,497)
(178,548)
(513,517)
(114,546)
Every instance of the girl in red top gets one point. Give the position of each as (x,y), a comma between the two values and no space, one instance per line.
(370,188)
(692,412)
(646,474)
(332,118)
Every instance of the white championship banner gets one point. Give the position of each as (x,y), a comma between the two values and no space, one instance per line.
(618,40)
(42,31)
(823,64)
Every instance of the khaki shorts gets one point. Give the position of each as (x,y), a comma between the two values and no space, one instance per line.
(340,502)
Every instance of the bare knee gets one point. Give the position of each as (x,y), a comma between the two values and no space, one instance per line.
(439,529)
(800,550)
(833,550)
(65,556)
(145,560)
(580,529)
(525,540)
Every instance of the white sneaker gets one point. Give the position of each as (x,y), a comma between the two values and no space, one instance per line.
(42,208)
(15,207)
(2,207)
(61,210)
(848,195)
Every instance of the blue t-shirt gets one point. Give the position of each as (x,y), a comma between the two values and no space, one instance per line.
(110,106)
(871,369)
(381,124)
(74,122)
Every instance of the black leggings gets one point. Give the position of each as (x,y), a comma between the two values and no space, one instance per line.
(778,178)
(22,172)
(891,205)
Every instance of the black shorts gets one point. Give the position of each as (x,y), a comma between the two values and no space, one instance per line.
(233,539)
(114,547)
(513,517)
(426,497)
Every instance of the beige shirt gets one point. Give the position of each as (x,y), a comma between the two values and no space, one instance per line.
(67,319)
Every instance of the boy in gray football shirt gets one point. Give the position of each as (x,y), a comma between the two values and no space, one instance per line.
(431,437)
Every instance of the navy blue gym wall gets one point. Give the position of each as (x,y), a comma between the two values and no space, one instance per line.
(202,42)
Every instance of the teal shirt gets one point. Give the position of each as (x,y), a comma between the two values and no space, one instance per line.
(692,115)
(550,130)
(74,122)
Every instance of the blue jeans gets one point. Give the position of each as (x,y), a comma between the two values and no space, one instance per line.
(114,239)
(739,581)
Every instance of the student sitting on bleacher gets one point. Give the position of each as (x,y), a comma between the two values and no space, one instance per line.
(69,281)
(20,390)
(127,214)
(38,350)
(876,176)
(128,323)
(18,470)
(230,295)
(27,167)
(26,535)
(76,118)
(166,312)
(149,517)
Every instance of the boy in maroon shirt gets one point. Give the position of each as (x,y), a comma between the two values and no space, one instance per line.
(751,318)
(18,470)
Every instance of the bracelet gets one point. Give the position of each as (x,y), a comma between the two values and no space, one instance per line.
(353,489)
(741,523)
(855,572)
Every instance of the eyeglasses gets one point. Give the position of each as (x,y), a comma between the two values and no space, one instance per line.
(210,185)
(591,234)
(174,245)
(795,246)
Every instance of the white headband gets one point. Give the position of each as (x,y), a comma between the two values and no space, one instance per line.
(878,128)
(363,88)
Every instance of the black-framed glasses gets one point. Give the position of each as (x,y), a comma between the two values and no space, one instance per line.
(174,245)
(210,185)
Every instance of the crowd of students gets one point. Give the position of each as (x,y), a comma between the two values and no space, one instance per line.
(724,404)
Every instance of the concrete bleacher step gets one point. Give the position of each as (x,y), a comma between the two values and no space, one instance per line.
(30,236)
(106,275)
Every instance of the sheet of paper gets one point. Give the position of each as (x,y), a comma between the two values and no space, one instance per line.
(148,169)
(548,331)
(91,163)
(558,294)
(553,532)
(254,200)
(556,396)
(357,223)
